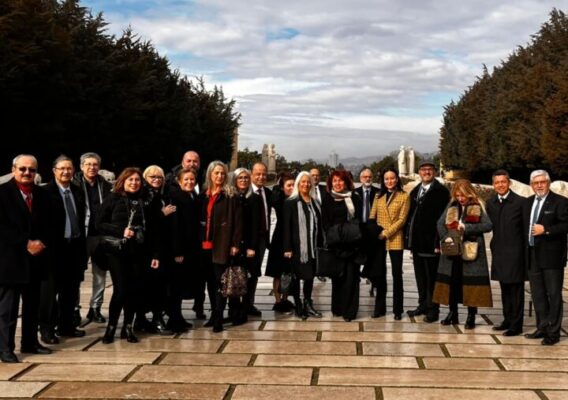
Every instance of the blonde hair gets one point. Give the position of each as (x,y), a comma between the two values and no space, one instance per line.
(465,187)
(152,169)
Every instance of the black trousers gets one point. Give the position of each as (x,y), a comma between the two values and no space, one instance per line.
(380,283)
(213,274)
(513,299)
(345,292)
(425,270)
(128,287)
(9,304)
(546,290)
(255,271)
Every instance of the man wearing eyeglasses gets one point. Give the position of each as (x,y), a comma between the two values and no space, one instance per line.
(545,226)
(95,189)
(59,293)
(24,241)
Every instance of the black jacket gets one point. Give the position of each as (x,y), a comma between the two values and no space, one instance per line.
(90,214)
(185,224)
(421,232)
(508,241)
(550,248)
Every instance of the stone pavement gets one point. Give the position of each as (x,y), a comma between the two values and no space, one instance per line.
(280,356)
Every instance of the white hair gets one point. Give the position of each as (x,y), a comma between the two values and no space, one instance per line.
(296,192)
(540,172)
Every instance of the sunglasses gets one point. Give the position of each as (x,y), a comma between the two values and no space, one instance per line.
(24,169)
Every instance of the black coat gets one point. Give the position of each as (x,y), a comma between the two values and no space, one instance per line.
(77,258)
(291,230)
(373,192)
(251,215)
(17,227)
(185,225)
(92,206)
(276,260)
(508,241)
(421,233)
(550,248)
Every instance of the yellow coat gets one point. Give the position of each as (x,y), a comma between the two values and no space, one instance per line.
(392,217)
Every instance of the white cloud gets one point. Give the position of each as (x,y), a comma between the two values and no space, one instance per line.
(335,83)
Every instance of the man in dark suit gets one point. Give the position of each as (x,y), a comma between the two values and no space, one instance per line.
(258,176)
(428,201)
(505,209)
(68,254)
(94,189)
(546,226)
(319,188)
(367,193)
(24,240)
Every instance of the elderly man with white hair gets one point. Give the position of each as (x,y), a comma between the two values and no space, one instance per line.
(546,226)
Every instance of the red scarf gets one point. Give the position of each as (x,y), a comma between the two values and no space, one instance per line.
(207,244)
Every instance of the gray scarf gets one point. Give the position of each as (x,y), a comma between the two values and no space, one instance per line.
(307,241)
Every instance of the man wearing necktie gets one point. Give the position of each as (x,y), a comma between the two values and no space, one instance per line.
(367,193)
(69,256)
(505,209)
(258,176)
(428,201)
(24,251)
(546,227)
(319,189)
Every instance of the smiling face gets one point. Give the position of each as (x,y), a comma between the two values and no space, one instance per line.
(390,180)
(243,182)
(133,183)
(540,185)
(63,172)
(305,185)
(90,168)
(187,181)
(25,170)
(426,173)
(501,184)
(259,174)
(155,179)
(337,184)
(218,176)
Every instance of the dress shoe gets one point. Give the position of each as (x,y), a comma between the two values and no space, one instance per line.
(470,322)
(511,332)
(501,327)
(416,312)
(109,334)
(35,349)
(208,324)
(255,312)
(549,341)
(310,310)
(430,318)
(77,316)
(71,333)
(378,314)
(49,337)
(397,317)
(535,335)
(95,315)
(8,357)
(128,333)
(199,313)
(451,319)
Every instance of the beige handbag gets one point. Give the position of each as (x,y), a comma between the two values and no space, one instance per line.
(469,250)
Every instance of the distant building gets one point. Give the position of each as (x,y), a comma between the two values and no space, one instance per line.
(333,159)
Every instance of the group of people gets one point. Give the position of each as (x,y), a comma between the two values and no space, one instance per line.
(169,237)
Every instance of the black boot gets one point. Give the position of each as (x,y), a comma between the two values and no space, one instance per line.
(451,319)
(309,308)
(470,321)
(128,334)
(109,334)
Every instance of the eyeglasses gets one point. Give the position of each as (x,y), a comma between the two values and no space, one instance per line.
(93,165)
(64,168)
(24,169)
(156,177)
(243,178)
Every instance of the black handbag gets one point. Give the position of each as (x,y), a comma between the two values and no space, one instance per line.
(451,245)
(111,244)
(348,232)
(328,264)
(285,283)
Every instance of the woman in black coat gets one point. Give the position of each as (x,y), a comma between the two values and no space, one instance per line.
(128,214)
(302,236)
(184,271)
(277,263)
(340,206)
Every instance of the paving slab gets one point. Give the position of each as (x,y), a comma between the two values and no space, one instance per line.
(257,392)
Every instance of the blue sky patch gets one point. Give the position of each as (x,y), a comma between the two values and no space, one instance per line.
(282,34)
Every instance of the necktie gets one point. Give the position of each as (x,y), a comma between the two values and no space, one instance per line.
(263,223)
(534,219)
(422,192)
(365,205)
(28,199)
(71,214)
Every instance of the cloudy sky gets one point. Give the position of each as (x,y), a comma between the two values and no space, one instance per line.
(360,77)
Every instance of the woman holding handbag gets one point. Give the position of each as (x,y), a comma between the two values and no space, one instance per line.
(390,210)
(463,278)
(302,236)
(341,212)
(221,233)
